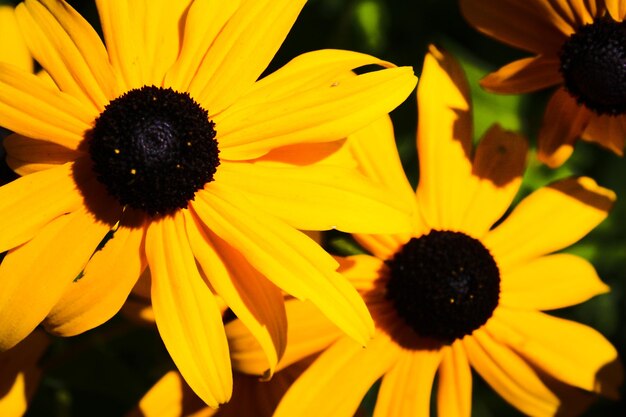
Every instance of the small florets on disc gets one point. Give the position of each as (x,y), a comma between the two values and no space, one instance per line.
(593,64)
(444,285)
(153,148)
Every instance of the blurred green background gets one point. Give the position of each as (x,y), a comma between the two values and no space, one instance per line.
(105,372)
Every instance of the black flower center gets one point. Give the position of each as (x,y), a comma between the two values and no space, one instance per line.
(153,148)
(593,64)
(444,285)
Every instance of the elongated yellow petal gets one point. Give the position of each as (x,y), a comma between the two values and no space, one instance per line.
(361,270)
(617,9)
(287,257)
(29,106)
(524,75)
(29,203)
(34,275)
(104,286)
(382,246)
(444,142)
(255,301)
(406,388)
(454,391)
(70,50)
(337,381)
(510,375)
(15,50)
(548,220)
(27,156)
(550,282)
(186,313)
(242,50)
(318,114)
(309,332)
(319,197)
(587,360)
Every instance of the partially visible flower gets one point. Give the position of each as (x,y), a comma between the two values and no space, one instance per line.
(165,149)
(455,292)
(578,46)
(20,373)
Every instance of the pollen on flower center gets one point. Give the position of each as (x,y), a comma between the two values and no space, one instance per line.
(153,148)
(593,64)
(444,285)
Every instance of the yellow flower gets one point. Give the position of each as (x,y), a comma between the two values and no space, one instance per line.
(579,46)
(456,292)
(165,141)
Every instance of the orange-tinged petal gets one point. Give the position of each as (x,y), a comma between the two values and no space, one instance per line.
(186,313)
(550,282)
(508,20)
(563,122)
(19,373)
(510,375)
(616,8)
(454,391)
(27,156)
(319,197)
(29,106)
(607,131)
(498,167)
(34,275)
(308,333)
(104,286)
(242,50)
(444,142)
(255,301)
(382,246)
(337,381)
(587,360)
(524,75)
(321,113)
(361,270)
(406,388)
(69,49)
(29,203)
(548,220)
(287,257)
(15,51)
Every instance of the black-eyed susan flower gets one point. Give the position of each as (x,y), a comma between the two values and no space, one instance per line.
(163,149)
(454,292)
(577,46)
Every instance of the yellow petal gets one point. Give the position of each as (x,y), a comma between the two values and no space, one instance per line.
(550,219)
(406,388)
(498,168)
(444,142)
(104,286)
(186,313)
(319,197)
(20,373)
(508,20)
(510,375)
(550,282)
(27,156)
(524,75)
(69,49)
(13,51)
(29,203)
(317,113)
(29,106)
(337,381)
(308,333)
(361,270)
(607,131)
(255,301)
(34,275)
(454,391)
(287,257)
(617,9)
(382,246)
(242,50)
(563,122)
(587,360)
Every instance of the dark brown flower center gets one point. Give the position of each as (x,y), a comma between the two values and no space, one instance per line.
(153,148)
(444,285)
